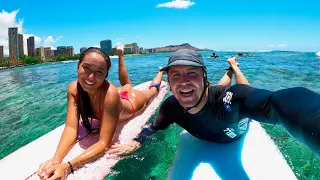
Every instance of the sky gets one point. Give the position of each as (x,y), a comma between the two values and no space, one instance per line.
(224,25)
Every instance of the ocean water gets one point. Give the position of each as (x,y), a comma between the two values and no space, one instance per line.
(33,102)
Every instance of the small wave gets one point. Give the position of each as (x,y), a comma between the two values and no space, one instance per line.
(245,50)
(69,61)
(318,54)
(113,57)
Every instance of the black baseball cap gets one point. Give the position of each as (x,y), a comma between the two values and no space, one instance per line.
(185,57)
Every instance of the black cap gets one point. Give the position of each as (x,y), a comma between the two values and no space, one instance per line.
(185,57)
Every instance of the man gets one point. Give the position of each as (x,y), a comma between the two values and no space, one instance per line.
(240,54)
(218,113)
(214,55)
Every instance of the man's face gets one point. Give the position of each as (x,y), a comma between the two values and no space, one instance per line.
(186,84)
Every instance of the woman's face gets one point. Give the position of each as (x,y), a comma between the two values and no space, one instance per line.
(92,71)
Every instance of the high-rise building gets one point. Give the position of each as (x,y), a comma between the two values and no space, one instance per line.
(30,44)
(61,47)
(40,52)
(20,45)
(106,46)
(82,49)
(134,47)
(63,50)
(1,53)
(13,44)
(128,50)
(48,53)
(141,50)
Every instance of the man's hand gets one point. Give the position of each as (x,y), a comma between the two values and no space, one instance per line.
(123,149)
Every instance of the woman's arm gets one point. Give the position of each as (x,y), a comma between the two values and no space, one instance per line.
(111,112)
(69,135)
(226,79)
(240,78)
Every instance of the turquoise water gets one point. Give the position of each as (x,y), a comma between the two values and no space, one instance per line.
(33,102)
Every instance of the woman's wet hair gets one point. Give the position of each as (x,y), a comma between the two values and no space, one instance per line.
(85,110)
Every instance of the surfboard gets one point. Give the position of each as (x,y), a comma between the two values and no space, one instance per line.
(23,163)
(253,156)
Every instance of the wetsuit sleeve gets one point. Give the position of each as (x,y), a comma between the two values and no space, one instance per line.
(160,123)
(297,110)
(165,116)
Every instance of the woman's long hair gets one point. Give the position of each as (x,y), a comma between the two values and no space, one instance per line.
(85,110)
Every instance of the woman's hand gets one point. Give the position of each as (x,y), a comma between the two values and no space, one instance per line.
(120,50)
(45,166)
(57,171)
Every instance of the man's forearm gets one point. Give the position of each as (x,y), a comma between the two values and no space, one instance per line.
(145,132)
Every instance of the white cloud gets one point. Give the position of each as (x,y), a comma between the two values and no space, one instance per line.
(8,19)
(279,46)
(98,46)
(119,41)
(178,4)
(49,41)
(60,37)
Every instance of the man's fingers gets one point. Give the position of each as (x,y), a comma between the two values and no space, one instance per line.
(111,151)
(117,146)
(111,156)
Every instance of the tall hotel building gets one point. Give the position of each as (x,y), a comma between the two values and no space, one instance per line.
(31,48)
(82,49)
(106,46)
(13,44)
(1,53)
(64,50)
(20,45)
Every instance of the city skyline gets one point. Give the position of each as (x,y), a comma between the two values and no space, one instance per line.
(222,26)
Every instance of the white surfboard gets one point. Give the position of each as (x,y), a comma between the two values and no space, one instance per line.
(253,156)
(23,163)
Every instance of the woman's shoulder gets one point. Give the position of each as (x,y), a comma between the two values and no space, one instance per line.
(111,91)
(111,88)
(72,88)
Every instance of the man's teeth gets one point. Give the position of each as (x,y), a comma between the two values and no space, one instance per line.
(186,90)
(90,83)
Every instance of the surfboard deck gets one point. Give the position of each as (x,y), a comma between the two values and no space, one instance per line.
(253,156)
(23,163)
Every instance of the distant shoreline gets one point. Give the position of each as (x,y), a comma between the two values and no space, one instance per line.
(23,65)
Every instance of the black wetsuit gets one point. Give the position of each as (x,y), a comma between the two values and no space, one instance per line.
(223,118)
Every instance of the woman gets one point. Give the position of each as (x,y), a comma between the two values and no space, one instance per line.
(93,97)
